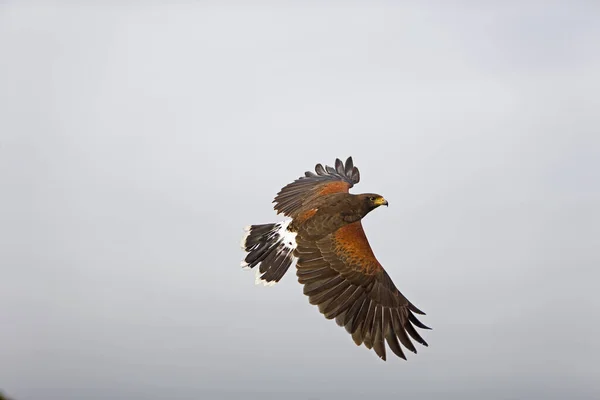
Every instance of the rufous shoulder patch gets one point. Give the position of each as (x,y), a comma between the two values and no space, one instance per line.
(334,187)
(352,246)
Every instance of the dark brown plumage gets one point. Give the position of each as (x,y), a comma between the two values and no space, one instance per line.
(335,262)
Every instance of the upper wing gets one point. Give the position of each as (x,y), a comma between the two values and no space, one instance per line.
(342,276)
(327,180)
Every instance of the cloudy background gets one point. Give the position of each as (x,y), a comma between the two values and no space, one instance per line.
(137,139)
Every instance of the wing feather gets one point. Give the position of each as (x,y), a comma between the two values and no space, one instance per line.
(344,279)
(296,196)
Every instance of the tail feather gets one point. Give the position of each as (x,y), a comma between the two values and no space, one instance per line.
(270,247)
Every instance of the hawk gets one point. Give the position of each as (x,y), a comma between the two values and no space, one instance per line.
(334,261)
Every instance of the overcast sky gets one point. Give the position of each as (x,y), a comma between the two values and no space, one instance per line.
(136,142)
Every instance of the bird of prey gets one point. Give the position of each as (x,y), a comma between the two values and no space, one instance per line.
(334,261)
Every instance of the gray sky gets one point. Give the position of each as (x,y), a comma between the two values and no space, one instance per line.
(136,141)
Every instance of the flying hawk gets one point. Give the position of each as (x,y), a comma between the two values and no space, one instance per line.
(335,262)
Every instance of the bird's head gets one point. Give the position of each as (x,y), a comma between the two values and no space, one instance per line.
(372,200)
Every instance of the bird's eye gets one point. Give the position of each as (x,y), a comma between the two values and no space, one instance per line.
(372,198)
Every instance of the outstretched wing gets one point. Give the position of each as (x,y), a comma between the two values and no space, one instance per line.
(341,275)
(327,180)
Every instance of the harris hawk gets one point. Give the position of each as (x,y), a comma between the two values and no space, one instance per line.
(334,261)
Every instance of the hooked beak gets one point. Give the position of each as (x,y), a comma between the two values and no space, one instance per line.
(381,202)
